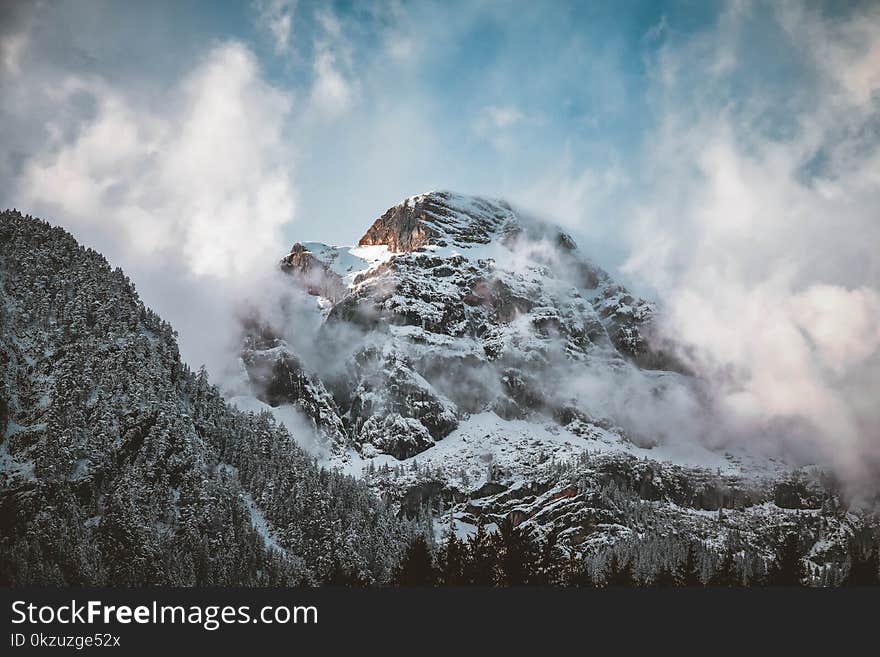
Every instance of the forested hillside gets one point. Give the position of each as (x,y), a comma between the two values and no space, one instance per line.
(120,466)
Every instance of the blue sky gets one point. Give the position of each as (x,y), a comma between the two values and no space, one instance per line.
(582,112)
(476,96)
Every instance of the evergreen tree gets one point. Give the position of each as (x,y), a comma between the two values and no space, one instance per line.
(786,569)
(687,572)
(417,566)
(480,565)
(864,568)
(519,554)
(453,558)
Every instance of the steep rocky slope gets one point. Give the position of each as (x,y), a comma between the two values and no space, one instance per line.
(472,363)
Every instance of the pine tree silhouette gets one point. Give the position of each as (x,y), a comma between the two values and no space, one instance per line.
(686,574)
(480,562)
(786,570)
(519,554)
(417,566)
(453,559)
(725,572)
(863,570)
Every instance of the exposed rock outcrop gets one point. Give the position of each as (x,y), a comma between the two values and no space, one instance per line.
(312,274)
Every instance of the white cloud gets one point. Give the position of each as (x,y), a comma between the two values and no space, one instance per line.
(496,124)
(207,177)
(12,48)
(276,17)
(398,34)
(847,49)
(334,89)
(332,94)
(329,22)
(573,196)
(401,47)
(843,325)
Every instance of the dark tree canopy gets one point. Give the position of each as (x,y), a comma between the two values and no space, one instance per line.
(123,467)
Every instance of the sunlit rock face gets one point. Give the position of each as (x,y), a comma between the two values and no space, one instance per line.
(438,218)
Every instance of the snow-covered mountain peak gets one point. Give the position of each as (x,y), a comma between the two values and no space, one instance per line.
(449,223)
(451,305)
(455,229)
(439,218)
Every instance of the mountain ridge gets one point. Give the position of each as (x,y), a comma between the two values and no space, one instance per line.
(435,269)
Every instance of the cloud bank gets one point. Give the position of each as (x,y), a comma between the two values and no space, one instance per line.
(760,228)
(204,178)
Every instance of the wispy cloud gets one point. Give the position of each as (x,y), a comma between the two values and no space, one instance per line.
(332,94)
(658,30)
(503,116)
(334,90)
(276,18)
(11,50)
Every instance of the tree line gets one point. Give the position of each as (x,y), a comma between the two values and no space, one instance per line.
(515,555)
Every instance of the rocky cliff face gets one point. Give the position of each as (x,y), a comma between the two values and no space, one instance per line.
(484,369)
(439,219)
(312,274)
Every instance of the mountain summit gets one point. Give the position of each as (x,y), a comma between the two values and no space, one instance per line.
(473,364)
(440,219)
(460,306)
